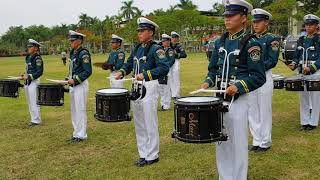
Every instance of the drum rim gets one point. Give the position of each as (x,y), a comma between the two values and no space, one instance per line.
(50,85)
(219,101)
(9,80)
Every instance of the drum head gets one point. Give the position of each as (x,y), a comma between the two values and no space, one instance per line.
(278,78)
(199,100)
(112,91)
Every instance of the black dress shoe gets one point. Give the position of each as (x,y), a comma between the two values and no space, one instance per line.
(152,161)
(310,128)
(253,148)
(141,162)
(71,139)
(32,124)
(76,140)
(260,149)
(304,127)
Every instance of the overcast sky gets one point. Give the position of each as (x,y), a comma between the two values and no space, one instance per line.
(54,12)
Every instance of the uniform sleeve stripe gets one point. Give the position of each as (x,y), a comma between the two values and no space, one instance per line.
(315,67)
(210,80)
(31,76)
(124,72)
(149,75)
(244,86)
(77,77)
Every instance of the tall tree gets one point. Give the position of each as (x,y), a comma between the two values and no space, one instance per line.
(84,20)
(187,5)
(128,10)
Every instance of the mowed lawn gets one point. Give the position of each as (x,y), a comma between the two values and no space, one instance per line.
(43,153)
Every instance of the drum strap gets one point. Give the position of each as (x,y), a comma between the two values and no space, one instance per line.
(147,49)
(314,41)
(243,42)
(77,59)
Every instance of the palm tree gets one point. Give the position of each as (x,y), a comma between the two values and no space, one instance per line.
(84,20)
(138,13)
(128,10)
(187,5)
(172,8)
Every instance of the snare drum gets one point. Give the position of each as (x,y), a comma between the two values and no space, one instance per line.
(290,46)
(312,82)
(199,119)
(9,88)
(278,81)
(50,94)
(295,83)
(112,105)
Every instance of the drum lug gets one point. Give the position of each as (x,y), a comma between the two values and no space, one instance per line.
(224,137)
(225,108)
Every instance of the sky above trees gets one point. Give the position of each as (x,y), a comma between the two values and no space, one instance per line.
(55,12)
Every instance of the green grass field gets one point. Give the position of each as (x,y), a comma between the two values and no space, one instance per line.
(43,153)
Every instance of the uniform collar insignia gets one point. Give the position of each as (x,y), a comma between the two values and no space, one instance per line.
(262,34)
(237,35)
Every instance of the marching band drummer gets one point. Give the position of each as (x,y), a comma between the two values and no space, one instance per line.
(248,72)
(309,118)
(164,89)
(174,74)
(115,61)
(80,70)
(150,60)
(260,115)
(34,70)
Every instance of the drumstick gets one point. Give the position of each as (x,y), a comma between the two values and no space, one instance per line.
(15,77)
(121,79)
(207,91)
(58,81)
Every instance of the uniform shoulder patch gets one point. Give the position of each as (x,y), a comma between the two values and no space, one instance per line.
(86,58)
(161,54)
(254,48)
(255,53)
(38,61)
(121,56)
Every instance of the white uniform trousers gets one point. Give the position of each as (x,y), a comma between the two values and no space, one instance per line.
(31,95)
(146,122)
(232,155)
(260,113)
(305,116)
(165,96)
(174,79)
(115,83)
(78,102)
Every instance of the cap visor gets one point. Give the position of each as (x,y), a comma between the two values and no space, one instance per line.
(257,19)
(230,13)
